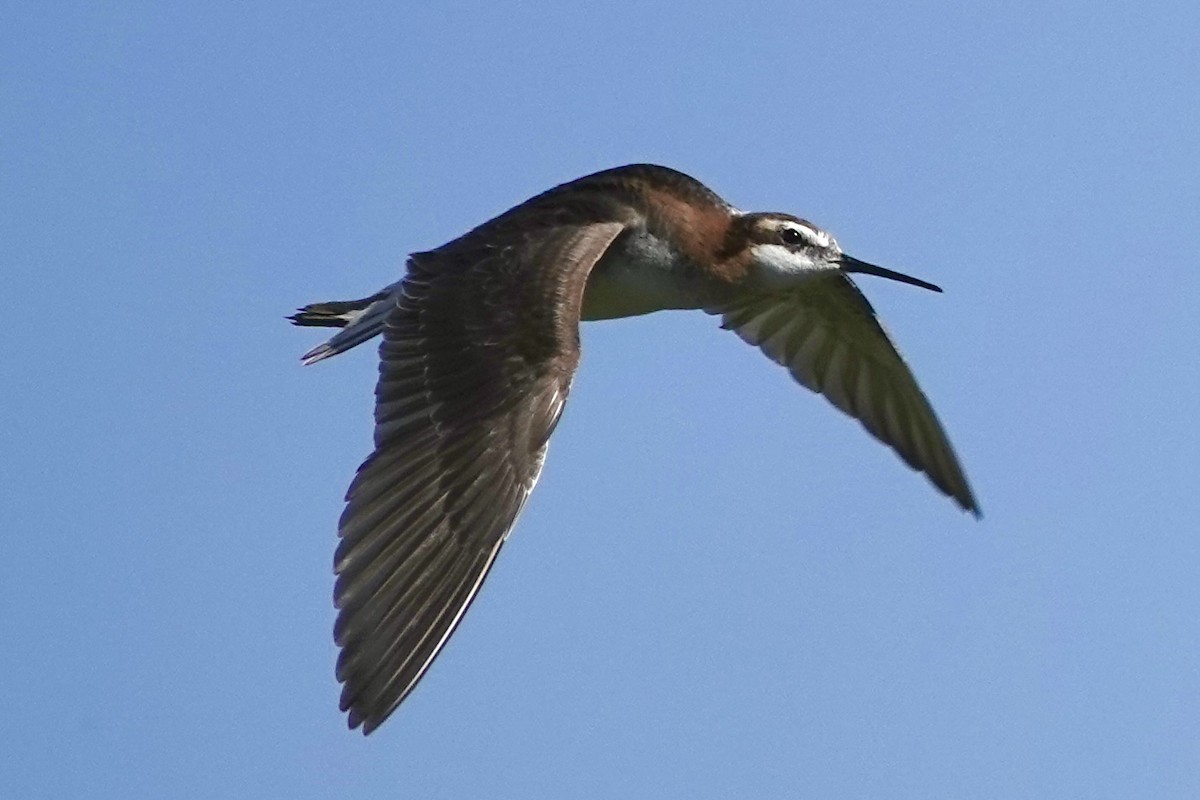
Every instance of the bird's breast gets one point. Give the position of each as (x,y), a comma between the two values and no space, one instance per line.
(642,273)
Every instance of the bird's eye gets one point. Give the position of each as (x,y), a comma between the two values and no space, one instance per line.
(790,235)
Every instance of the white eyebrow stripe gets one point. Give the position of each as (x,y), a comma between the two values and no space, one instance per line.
(813,236)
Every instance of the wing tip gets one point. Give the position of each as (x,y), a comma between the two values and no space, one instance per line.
(971,506)
(318,353)
(366,725)
(962,495)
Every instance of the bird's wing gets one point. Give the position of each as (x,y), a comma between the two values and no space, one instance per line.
(828,337)
(476,362)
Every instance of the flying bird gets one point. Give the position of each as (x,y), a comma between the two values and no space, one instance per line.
(480,344)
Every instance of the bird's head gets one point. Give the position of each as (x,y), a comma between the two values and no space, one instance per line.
(784,250)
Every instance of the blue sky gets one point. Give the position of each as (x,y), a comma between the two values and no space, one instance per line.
(722,587)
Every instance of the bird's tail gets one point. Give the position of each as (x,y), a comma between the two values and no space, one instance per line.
(359,320)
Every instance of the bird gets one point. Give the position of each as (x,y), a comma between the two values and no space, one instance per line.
(480,342)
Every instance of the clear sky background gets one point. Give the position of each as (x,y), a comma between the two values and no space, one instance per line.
(722,587)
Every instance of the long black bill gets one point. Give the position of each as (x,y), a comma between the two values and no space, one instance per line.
(851,264)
